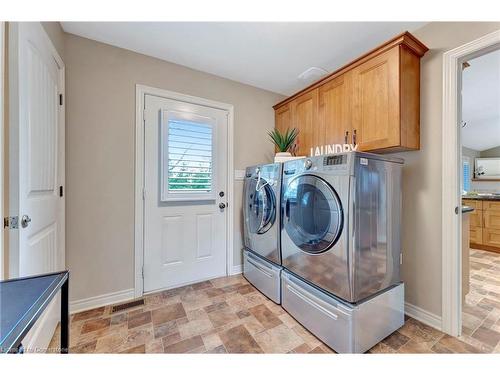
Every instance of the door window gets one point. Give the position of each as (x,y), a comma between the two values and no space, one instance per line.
(313,214)
(187,157)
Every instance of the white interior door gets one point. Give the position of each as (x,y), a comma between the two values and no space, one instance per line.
(185,177)
(36,132)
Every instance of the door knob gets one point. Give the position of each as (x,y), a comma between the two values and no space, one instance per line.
(25,220)
(222,206)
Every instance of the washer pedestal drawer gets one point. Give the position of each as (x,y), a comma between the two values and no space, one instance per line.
(344,327)
(264,275)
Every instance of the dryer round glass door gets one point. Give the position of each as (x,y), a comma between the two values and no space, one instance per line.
(313,217)
(260,207)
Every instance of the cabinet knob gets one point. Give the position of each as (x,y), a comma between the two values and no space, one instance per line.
(354,137)
(346,136)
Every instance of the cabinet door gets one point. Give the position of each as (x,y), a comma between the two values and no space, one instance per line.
(491,237)
(491,205)
(491,219)
(305,119)
(335,112)
(476,218)
(476,235)
(376,122)
(283,118)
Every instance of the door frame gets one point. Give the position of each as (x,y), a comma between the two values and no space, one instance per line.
(2,148)
(451,178)
(140,92)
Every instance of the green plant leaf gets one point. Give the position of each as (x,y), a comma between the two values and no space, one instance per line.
(283,141)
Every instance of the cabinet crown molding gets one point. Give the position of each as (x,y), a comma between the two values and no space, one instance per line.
(405,39)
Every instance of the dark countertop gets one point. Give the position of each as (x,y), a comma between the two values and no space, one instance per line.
(467,209)
(22,301)
(482,197)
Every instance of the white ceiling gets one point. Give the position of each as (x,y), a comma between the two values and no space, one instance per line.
(481,102)
(266,55)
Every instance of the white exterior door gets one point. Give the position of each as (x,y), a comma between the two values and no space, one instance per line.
(185,177)
(36,139)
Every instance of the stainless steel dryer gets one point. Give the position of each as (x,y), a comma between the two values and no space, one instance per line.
(340,225)
(261,205)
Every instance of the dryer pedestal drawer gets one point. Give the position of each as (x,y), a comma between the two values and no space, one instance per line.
(264,275)
(344,327)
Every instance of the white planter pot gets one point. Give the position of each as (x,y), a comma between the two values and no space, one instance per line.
(282,157)
(283,154)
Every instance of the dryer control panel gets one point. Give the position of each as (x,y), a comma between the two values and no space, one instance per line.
(334,160)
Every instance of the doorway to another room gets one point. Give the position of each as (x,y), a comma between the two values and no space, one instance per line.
(480,138)
(185,190)
(455,235)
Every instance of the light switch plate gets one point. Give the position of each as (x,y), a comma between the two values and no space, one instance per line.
(239,174)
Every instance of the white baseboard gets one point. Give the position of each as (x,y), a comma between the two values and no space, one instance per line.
(423,316)
(237,269)
(102,300)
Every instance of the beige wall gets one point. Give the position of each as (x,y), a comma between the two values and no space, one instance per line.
(491,152)
(422,172)
(100,126)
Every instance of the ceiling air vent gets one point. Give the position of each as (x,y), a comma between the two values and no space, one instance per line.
(312,74)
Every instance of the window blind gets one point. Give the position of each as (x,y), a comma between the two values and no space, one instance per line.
(466,178)
(189,156)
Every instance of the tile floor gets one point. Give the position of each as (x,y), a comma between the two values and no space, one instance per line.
(228,315)
(481,310)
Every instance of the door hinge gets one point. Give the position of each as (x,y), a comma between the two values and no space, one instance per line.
(143,194)
(142,272)
(60,99)
(61,191)
(11,222)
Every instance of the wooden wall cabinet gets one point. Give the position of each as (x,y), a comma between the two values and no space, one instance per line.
(373,102)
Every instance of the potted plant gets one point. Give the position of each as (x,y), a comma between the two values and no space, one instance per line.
(284,142)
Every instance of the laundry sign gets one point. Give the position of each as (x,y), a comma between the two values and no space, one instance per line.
(335,148)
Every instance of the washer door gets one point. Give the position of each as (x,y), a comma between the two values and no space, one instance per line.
(313,214)
(260,207)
